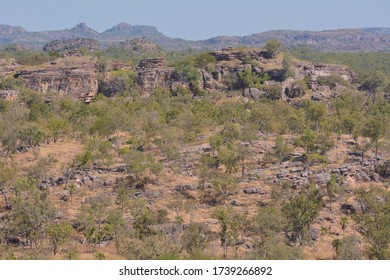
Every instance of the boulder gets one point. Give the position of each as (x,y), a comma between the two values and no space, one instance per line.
(321,179)
(314,233)
(294,91)
(254,93)
(349,209)
(255,190)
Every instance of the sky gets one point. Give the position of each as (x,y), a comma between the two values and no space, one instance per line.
(197,19)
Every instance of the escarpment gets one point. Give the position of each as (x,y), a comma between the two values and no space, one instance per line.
(250,71)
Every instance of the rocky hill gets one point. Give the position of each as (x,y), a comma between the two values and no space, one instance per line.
(72,44)
(6,30)
(239,70)
(350,40)
(237,138)
(122,30)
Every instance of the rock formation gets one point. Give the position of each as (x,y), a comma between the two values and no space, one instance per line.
(80,81)
(72,44)
(316,70)
(229,54)
(153,73)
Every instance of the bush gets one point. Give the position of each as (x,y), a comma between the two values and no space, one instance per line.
(32,58)
(331,81)
(10,83)
(272,48)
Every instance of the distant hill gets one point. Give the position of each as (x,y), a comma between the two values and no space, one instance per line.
(349,40)
(122,30)
(8,30)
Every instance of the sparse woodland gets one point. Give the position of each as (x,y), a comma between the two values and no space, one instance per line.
(191,173)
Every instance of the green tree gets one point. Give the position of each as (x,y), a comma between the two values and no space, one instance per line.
(347,248)
(59,234)
(272,48)
(282,149)
(374,129)
(195,240)
(266,223)
(7,176)
(332,189)
(98,220)
(177,204)
(31,211)
(375,221)
(223,184)
(316,113)
(57,128)
(300,212)
(140,164)
(231,226)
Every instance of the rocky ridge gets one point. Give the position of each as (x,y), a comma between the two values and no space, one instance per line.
(72,44)
(80,77)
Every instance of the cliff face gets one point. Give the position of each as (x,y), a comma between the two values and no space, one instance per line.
(80,78)
(316,70)
(153,73)
(79,81)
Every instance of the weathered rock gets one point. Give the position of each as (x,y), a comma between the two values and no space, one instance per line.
(294,91)
(350,209)
(350,142)
(256,190)
(295,164)
(153,194)
(8,94)
(72,44)
(364,176)
(316,70)
(254,93)
(317,97)
(282,174)
(153,73)
(209,80)
(78,81)
(296,169)
(157,62)
(314,233)
(321,179)
(181,188)
(299,182)
(376,177)
(65,196)
(229,54)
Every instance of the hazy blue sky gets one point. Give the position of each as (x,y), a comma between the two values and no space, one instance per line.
(197,19)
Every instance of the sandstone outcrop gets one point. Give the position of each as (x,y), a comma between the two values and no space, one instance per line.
(72,44)
(153,73)
(80,80)
(229,54)
(316,70)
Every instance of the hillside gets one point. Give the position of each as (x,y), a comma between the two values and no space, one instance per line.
(349,40)
(206,155)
